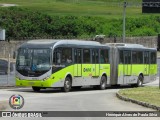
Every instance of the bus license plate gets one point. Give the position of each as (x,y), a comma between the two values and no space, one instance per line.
(31,83)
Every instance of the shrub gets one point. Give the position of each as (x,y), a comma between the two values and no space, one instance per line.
(23,24)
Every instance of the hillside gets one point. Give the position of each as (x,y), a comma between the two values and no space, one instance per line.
(75,19)
(105,8)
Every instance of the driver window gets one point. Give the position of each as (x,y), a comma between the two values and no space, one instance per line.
(57,56)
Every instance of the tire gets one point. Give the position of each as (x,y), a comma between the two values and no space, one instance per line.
(103,82)
(140,81)
(116,86)
(77,87)
(36,89)
(67,85)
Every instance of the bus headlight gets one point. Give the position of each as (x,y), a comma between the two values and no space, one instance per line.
(45,78)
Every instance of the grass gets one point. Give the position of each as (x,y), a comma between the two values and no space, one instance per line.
(105,8)
(146,94)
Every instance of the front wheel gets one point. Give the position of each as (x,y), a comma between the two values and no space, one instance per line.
(67,85)
(103,82)
(36,89)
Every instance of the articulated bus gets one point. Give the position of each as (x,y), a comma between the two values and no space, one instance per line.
(70,64)
(132,64)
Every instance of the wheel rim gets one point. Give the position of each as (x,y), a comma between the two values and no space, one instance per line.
(103,83)
(140,81)
(67,84)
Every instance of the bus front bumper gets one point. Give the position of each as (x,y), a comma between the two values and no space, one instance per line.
(36,83)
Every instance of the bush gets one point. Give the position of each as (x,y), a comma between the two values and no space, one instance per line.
(23,24)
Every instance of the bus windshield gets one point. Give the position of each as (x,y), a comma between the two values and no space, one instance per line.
(34,60)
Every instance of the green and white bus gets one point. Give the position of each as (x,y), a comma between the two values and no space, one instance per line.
(70,64)
(132,64)
(63,64)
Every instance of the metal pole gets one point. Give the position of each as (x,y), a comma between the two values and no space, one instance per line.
(8,73)
(124,20)
(159,75)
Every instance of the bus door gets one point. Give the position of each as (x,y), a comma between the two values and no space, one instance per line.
(78,62)
(95,63)
(127,63)
(146,63)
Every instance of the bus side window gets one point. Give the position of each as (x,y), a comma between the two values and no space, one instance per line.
(67,55)
(140,57)
(86,56)
(153,57)
(121,59)
(95,56)
(134,57)
(77,56)
(137,57)
(57,56)
(146,57)
(104,56)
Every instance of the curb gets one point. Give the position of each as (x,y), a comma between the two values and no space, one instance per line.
(138,102)
(10,87)
(6,87)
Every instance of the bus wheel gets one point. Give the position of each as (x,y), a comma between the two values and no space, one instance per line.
(140,81)
(36,89)
(67,85)
(77,87)
(103,82)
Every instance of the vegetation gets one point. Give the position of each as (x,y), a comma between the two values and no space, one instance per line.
(145,94)
(105,8)
(74,19)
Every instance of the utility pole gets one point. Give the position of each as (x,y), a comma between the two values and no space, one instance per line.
(124,21)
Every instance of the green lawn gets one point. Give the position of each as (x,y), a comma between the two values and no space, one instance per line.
(107,8)
(146,94)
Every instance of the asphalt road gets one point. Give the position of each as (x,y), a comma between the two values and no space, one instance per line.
(85,99)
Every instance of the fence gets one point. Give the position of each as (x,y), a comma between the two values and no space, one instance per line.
(7,63)
(7,72)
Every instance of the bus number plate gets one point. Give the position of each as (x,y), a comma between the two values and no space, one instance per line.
(31,83)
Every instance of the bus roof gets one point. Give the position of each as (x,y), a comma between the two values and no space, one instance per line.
(125,45)
(128,45)
(43,43)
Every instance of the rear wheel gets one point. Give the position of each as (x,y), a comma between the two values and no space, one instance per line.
(77,87)
(103,82)
(67,85)
(140,81)
(36,89)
